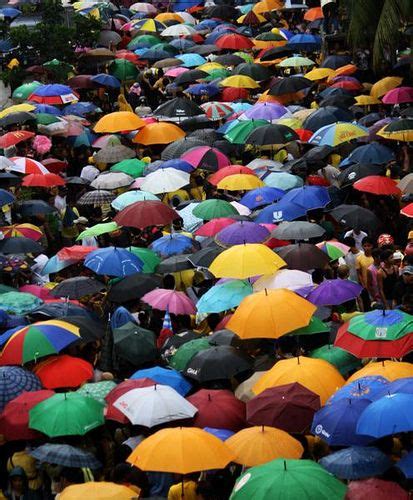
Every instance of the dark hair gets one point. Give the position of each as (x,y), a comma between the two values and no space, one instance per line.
(349,241)
(376,253)
(367,239)
(72,475)
(385,254)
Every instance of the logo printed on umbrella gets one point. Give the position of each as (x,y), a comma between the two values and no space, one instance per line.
(277,216)
(242,482)
(320,430)
(381,332)
(193,371)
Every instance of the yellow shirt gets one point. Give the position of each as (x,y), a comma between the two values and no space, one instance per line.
(362,264)
(175,491)
(28,464)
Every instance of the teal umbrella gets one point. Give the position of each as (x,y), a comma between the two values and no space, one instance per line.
(341,359)
(97,390)
(126,199)
(19,302)
(224,296)
(148,257)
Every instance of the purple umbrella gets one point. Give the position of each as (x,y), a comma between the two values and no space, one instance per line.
(334,292)
(242,232)
(375,128)
(266,111)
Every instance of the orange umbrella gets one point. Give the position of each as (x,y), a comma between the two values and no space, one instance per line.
(119,121)
(159,133)
(181,450)
(266,6)
(316,375)
(258,445)
(313,14)
(348,69)
(169,16)
(99,491)
(391,370)
(384,85)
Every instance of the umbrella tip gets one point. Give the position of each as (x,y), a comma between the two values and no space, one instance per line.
(266,291)
(285,465)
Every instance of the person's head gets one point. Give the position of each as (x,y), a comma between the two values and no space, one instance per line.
(407,273)
(407,303)
(386,257)
(18,480)
(343,271)
(376,254)
(367,245)
(397,258)
(350,242)
(385,240)
(81,223)
(71,475)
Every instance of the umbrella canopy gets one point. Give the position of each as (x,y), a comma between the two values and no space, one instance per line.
(165,180)
(63,371)
(242,232)
(334,292)
(75,288)
(101,490)
(145,213)
(297,231)
(376,488)
(113,262)
(66,455)
(134,344)
(119,121)
(134,286)
(165,376)
(173,301)
(303,256)
(159,133)
(14,381)
(185,352)
(225,296)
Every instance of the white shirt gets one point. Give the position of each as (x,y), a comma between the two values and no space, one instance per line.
(60,203)
(358,237)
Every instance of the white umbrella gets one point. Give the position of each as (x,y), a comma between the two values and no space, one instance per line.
(186,16)
(154,405)
(178,30)
(263,164)
(112,180)
(5,163)
(144,7)
(241,209)
(284,278)
(165,180)
(191,221)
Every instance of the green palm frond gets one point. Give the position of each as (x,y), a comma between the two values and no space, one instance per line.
(364,17)
(388,33)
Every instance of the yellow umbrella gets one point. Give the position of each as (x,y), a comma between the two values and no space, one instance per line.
(391,370)
(181,450)
(118,122)
(270,314)
(316,375)
(319,74)
(266,6)
(208,67)
(259,17)
(239,82)
(16,108)
(294,123)
(169,16)
(244,261)
(258,445)
(366,100)
(99,491)
(396,135)
(240,182)
(384,85)
(159,133)
(268,44)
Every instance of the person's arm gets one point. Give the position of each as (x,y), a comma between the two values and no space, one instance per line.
(380,278)
(370,283)
(360,276)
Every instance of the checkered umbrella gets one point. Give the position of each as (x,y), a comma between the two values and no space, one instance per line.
(13,381)
(97,198)
(66,455)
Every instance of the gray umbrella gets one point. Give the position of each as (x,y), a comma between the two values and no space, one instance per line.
(178,148)
(97,198)
(77,287)
(111,180)
(108,38)
(114,154)
(17,245)
(135,344)
(297,230)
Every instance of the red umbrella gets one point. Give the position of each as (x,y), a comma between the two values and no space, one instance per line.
(234,41)
(289,407)
(376,489)
(81,82)
(377,184)
(303,134)
(37,290)
(313,14)
(146,213)
(273,242)
(76,252)
(24,165)
(221,325)
(219,409)
(63,371)
(113,413)
(230,170)
(128,55)
(407,210)
(347,85)
(230,94)
(43,180)
(214,226)
(54,165)
(13,138)
(14,419)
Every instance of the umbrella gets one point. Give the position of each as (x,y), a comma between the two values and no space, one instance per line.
(284,278)
(165,181)
(358,171)
(178,148)
(252,259)
(391,370)
(324,116)
(66,414)
(173,301)
(377,184)
(303,256)
(145,213)
(113,153)
(240,182)
(270,314)
(132,287)
(126,199)
(213,209)
(14,419)
(216,110)
(271,134)
(289,407)
(369,387)
(342,360)
(97,390)
(259,445)
(233,41)
(101,490)
(77,287)
(207,158)
(165,376)
(12,138)
(63,371)
(381,87)
(159,133)
(132,167)
(217,363)
(6,198)
(289,85)
(338,133)
(297,231)
(356,217)
(375,488)
(260,197)
(317,375)
(54,93)
(178,107)
(242,232)
(356,462)
(66,455)
(15,380)
(300,478)
(172,244)
(134,344)
(113,262)
(89,328)
(111,412)
(223,297)
(98,229)
(123,70)
(151,406)
(185,352)
(97,198)
(334,292)
(105,80)
(181,450)
(119,121)
(283,180)
(19,302)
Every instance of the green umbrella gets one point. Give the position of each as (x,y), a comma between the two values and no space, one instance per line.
(149,258)
(133,167)
(217,73)
(332,251)
(24,91)
(239,132)
(269,36)
(245,56)
(97,390)
(5,289)
(123,69)
(57,67)
(381,325)
(341,359)
(213,209)
(66,414)
(187,351)
(315,326)
(98,229)
(292,479)
(46,119)
(15,302)
(135,344)
(295,62)
(148,40)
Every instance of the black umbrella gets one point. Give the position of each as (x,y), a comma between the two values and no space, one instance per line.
(276,53)
(208,135)
(77,180)
(77,287)
(357,171)
(204,257)
(318,153)
(341,101)
(133,287)
(326,116)
(178,148)
(178,108)
(174,264)
(198,122)
(60,310)
(222,12)
(217,363)
(223,337)
(290,85)
(271,134)
(9,179)
(370,119)
(229,60)
(19,245)
(356,217)
(90,329)
(303,256)
(297,230)
(35,207)
(204,49)
(254,71)
(190,76)
(335,62)
(17,118)
(135,344)
(172,344)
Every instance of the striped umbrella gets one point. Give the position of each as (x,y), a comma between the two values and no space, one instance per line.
(24,230)
(217,110)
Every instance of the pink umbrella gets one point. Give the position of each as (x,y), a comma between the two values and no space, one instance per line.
(137,183)
(206,157)
(171,300)
(398,95)
(39,291)
(174,72)
(105,140)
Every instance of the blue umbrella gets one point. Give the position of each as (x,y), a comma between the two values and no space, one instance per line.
(172,244)
(336,423)
(388,415)
(64,454)
(86,138)
(363,388)
(224,296)
(357,462)
(182,43)
(181,5)
(4,337)
(283,180)
(261,196)
(106,80)
(304,42)
(6,198)
(308,197)
(165,376)
(178,164)
(54,265)
(121,317)
(5,45)
(222,434)
(61,310)
(15,380)
(281,211)
(405,465)
(203,88)
(155,54)
(402,385)
(333,91)
(80,108)
(191,60)
(113,261)
(10,12)
(208,24)
(53,89)
(373,153)
(47,108)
